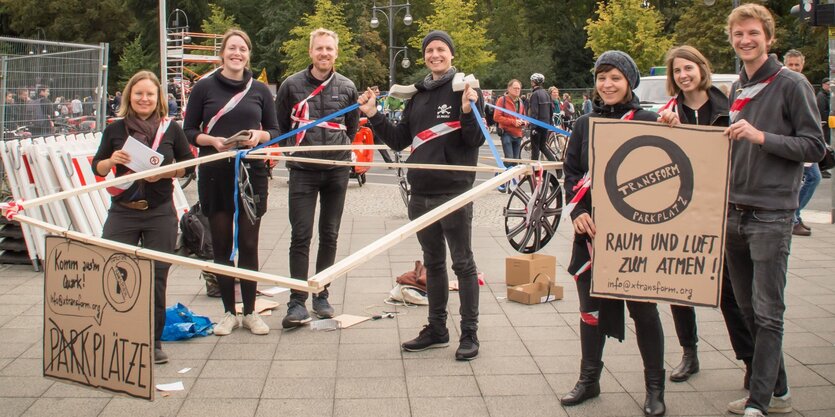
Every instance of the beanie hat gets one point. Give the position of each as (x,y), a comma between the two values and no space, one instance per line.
(438,35)
(624,63)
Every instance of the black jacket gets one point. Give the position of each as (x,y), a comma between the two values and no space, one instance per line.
(427,109)
(338,94)
(541,106)
(718,108)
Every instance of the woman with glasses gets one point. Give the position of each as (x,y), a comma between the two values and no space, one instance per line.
(230,102)
(143,210)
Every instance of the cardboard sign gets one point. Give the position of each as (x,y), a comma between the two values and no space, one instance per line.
(659,197)
(98,318)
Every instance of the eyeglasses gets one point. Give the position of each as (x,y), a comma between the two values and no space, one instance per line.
(247,194)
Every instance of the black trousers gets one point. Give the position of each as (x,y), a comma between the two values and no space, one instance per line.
(539,136)
(306,187)
(454,230)
(741,340)
(156,229)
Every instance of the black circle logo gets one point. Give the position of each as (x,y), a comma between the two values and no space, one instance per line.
(678,167)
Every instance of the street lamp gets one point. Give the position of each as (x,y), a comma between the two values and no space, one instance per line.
(393,9)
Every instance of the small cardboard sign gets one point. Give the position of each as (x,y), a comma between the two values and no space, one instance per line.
(98,318)
(659,197)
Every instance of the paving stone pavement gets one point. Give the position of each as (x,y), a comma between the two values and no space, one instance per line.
(529,354)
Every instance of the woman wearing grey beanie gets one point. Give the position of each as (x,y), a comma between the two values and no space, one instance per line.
(616,76)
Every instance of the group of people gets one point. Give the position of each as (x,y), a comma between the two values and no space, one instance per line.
(771,118)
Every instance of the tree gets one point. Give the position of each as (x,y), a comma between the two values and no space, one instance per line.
(326,15)
(703,27)
(218,21)
(626,26)
(132,60)
(456,18)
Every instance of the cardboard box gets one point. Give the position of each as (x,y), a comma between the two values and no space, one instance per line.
(541,291)
(523,268)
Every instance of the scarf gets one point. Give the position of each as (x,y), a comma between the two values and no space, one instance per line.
(143,130)
(429,83)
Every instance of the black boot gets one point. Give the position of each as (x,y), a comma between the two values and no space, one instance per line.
(588,386)
(654,404)
(689,365)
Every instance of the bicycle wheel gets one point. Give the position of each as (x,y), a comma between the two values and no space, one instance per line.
(185,181)
(525,149)
(531,223)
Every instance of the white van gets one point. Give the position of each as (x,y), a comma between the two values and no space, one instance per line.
(652,90)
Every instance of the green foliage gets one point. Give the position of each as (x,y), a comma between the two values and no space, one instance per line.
(703,27)
(626,26)
(326,15)
(132,60)
(218,22)
(456,17)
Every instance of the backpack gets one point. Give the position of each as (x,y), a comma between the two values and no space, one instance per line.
(197,236)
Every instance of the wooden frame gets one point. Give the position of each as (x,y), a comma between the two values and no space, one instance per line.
(314,284)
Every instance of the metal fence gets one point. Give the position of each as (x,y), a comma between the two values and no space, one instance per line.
(51,88)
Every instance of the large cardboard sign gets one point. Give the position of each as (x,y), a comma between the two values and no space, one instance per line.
(98,318)
(659,197)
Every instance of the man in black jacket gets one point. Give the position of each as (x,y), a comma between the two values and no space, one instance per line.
(305,96)
(439,124)
(541,107)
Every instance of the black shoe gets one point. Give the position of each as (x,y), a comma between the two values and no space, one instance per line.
(428,338)
(689,365)
(160,357)
(654,404)
(468,348)
(321,307)
(588,386)
(826,174)
(297,315)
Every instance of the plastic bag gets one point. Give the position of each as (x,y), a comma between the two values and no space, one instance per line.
(181,323)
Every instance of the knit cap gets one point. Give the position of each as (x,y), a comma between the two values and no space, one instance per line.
(624,63)
(440,36)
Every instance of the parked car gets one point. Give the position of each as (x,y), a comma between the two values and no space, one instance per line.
(652,91)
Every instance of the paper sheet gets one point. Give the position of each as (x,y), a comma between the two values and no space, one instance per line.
(348,320)
(142,158)
(261,306)
(174,386)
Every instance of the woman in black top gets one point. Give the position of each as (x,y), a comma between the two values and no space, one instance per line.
(695,101)
(616,75)
(207,126)
(144,209)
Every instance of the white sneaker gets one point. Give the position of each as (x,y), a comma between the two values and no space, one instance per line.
(228,323)
(777,405)
(753,412)
(738,406)
(255,324)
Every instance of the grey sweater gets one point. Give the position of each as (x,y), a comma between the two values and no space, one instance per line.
(768,175)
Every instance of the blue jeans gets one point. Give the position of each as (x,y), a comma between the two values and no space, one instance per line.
(757,252)
(511,146)
(811,179)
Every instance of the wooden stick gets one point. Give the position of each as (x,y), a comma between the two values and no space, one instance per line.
(173,259)
(545,164)
(467,168)
(365,254)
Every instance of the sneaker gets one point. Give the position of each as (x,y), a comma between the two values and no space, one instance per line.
(468,348)
(826,174)
(255,324)
(777,405)
(803,225)
(322,308)
(297,315)
(160,357)
(428,338)
(753,412)
(799,230)
(502,188)
(228,323)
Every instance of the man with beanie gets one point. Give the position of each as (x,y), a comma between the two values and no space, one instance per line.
(775,128)
(541,108)
(440,127)
(305,96)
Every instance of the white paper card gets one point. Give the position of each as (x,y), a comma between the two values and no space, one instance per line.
(174,386)
(142,158)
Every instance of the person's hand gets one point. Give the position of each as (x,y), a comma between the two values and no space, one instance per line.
(218,143)
(254,138)
(742,130)
(583,224)
(119,157)
(669,118)
(368,103)
(519,122)
(469,95)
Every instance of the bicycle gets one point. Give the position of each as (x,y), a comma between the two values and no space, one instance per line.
(403,185)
